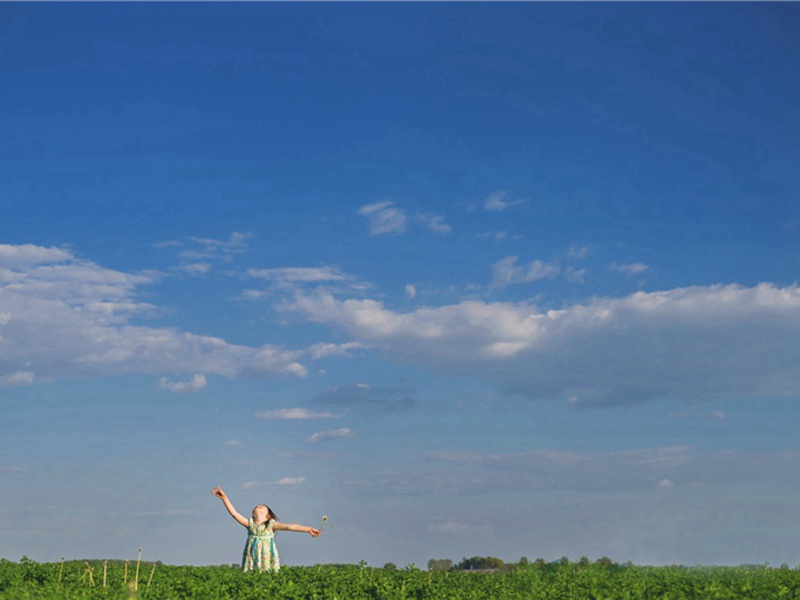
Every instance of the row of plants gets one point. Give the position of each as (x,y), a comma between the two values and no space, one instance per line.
(561,580)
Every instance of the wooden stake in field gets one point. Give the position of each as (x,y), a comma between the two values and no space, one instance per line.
(89,573)
(138,560)
(105,572)
(153,570)
(61,569)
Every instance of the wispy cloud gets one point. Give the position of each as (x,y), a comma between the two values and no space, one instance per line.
(324,349)
(499,202)
(301,274)
(574,275)
(630,269)
(434,223)
(576,252)
(295,414)
(467,473)
(364,394)
(290,279)
(334,434)
(195,384)
(507,271)
(384,218)
(283,481)
(17,378)
(224,250)
(387,218)
(200,268)
(200,255)
(7,469)
(497,235)
(455,528)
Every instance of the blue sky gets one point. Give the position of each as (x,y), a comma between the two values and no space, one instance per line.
(508,279)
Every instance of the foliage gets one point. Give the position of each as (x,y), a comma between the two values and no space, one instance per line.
(480,563)
(583,580)
(440,564)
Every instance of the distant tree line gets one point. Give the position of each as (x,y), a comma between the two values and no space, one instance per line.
(492,563)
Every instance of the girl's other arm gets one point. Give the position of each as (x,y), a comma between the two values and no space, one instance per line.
(217,491)
(294,527)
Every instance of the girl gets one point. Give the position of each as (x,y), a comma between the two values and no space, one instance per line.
(260,552)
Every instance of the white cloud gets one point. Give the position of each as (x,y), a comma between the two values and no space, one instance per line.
(507,272)
(384,218)
(497,235)
(496,202)
(324,436)
(218,249)
(693,342)
(295,413)
(574,275)
(200,268)
(283,481)
(26,255)
(290,279)
(577,252)
(234,443)
(66,317)
(665,483)
(17,378)
(322,350)
(300,274)
(434,223)
(631,269)
(200,254)
(411,291)
(195,384)
(290,481)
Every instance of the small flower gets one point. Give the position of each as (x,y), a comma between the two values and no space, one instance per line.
(324,523)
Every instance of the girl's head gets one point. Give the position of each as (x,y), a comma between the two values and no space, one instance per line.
(263,514)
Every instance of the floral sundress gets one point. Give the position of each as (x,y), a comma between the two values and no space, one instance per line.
(260,551)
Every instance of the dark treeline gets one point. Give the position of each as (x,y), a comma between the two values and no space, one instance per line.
(491,563)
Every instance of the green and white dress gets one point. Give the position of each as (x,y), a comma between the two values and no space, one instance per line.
(260,551)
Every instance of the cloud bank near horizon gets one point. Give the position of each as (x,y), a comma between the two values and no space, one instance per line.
(701,342)
(63,316)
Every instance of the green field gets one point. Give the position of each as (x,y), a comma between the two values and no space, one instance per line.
(568,581)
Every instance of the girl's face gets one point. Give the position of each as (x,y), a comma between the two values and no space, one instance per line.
(261,513)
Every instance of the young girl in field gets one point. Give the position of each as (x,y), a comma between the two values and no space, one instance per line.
(260,552)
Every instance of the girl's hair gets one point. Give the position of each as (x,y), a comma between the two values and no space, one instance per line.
(271,514)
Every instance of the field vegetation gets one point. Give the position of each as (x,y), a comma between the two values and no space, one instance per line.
(537,580)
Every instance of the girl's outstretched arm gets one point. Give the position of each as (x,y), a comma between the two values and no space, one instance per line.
(294,527)
(217,491)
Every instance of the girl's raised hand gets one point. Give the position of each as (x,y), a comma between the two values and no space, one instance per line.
(217,491)
(314,532)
